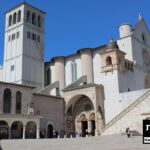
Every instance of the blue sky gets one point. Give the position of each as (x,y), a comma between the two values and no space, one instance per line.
(74,24)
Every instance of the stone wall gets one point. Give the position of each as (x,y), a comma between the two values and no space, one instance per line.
(51,108)
(26,93)
(132,118)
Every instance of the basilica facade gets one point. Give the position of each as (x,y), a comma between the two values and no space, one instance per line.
(73,94)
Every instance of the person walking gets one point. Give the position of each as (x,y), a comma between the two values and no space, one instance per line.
(128,132)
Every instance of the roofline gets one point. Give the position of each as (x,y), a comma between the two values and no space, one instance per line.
(25,3)
(126,24)
(38,94)
(15,84)
(75,54)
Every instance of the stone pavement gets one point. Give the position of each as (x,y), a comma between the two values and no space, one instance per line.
(114,142)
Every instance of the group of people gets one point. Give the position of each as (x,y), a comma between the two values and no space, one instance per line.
(54,134)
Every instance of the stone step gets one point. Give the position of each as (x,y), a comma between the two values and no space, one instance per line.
(115,142)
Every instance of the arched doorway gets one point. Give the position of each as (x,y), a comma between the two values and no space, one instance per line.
(84,125)
(31,130)
(92,123)
(16,130)
(4,130)
(50,131)
(76,122)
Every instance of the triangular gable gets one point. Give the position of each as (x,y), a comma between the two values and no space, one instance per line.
(141,25)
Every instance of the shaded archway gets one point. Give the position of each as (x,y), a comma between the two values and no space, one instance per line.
(31,128)
(4,130)
(50,131)
(16,130)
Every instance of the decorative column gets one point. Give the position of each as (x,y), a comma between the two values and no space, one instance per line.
(9,133)
(38,132)
(96,124)
(89,126)
(24,130)
(87,64)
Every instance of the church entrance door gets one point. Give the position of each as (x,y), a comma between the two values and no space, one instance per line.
(84,126)
(92,127)
(49,131)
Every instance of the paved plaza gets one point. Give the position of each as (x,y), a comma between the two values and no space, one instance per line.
(91,143)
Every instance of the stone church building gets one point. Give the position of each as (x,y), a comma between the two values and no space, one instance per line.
(95,90)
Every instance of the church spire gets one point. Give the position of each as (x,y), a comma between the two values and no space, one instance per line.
(140,17)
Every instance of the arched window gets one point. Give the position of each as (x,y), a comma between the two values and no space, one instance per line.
(48,74)
(14,18)
(34,19)
(126,66)
(39,21)
(143,37)
(19,16)
(108,61)
(7,101)
(73,71)
(18,102)
(10,20)
(28,16)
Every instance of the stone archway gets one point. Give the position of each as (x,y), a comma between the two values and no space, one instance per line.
(17,130)
(4,130)
(76,122)
(31,129)
(50,131)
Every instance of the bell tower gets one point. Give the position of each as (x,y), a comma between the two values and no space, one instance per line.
(24,46)
(113,58)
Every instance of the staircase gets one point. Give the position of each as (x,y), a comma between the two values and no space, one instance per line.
(130,117)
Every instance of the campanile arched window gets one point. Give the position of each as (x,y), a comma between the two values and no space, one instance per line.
(28,16)
(14,18)
(34,19)
(39,21)
(19,16)
(10,20)
(18,102)
(7,101)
